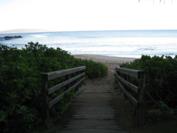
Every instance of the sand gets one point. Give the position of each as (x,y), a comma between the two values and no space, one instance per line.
(105,59)
(111,62)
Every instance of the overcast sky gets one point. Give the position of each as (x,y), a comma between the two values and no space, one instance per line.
(70,15)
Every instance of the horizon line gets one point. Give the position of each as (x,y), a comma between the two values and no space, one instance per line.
(50,31)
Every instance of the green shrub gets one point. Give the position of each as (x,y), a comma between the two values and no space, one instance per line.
(94,69)
(161,77)
(20,82)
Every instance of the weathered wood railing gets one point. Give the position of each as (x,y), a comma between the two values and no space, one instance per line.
(132,84)
(72,78)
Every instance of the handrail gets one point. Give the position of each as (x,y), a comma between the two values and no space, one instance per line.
(127,83)
(64,83)
(134,93)
(55,100)
(61,73)
(73,78)
(130,72)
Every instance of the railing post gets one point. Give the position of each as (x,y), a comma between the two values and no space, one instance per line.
(45,105)
(140,112)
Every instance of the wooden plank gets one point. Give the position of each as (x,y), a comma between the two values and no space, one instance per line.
(64,83)
(61,73)
(58,98)
(142,87)
(128,84)
(131,98)
(130,72)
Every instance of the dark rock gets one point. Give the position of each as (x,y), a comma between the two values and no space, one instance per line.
(11,37)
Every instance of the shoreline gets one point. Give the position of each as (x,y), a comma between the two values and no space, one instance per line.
(105,59)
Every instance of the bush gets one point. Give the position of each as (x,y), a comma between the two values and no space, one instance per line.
(20,82)
(94,69)
(161,77)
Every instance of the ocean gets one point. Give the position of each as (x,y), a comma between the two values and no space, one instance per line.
(121,43)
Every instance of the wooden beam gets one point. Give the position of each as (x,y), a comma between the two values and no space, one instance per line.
(128,84)
(61,73)
(130,72)
(58,98)
(64,83)
(130,97)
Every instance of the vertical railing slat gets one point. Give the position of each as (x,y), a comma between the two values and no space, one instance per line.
(141,105)
(45,107)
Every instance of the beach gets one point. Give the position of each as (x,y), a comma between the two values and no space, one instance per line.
(110,61)
(105,59)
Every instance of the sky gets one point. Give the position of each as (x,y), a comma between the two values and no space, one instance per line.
(78,15)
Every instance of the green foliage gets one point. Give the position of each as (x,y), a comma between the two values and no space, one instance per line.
(161,77)
(94,69)
(20,82)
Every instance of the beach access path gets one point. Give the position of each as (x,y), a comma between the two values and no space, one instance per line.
(99,108)
(92,110)
(95,109)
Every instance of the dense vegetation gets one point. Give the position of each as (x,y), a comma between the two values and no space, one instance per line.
(20,82)
(161,78)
